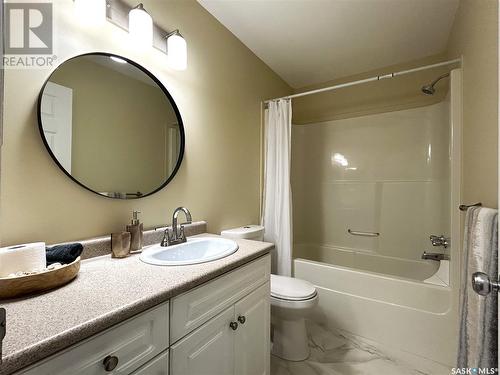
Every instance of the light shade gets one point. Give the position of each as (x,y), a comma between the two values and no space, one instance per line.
(177,51)
(140,26)
(90,12)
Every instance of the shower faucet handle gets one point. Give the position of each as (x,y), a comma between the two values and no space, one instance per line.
(439,240)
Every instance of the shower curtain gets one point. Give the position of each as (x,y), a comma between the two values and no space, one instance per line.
(277,208)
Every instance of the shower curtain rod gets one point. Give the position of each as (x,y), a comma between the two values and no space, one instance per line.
(366,80)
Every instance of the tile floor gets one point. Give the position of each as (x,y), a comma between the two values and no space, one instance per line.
(340,353)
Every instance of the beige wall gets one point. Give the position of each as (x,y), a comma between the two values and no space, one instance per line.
(218,96)
(475,37)
(120,146)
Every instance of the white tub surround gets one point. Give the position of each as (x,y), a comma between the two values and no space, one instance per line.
(376,184)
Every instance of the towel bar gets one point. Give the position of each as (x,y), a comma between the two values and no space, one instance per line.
(364,234)
(464,207)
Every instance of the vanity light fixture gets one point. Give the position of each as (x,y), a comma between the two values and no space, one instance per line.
(91,12)
(143,33)
(140,26)
(117,59)
(176,50)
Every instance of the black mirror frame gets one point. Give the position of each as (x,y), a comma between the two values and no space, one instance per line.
(160,85)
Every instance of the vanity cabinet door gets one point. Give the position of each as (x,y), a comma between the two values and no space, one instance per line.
(158,366)
(252,339)
(209,350)
(197,306)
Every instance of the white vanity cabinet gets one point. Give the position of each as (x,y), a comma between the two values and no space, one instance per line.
(221,327)
(252,339)
(234,342)
(208,350)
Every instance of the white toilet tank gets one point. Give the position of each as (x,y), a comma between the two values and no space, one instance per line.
(251,232)
(247,232)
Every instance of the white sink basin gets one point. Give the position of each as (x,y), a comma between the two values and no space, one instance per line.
(195,250)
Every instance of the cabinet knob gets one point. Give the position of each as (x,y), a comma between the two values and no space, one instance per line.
(233,325)
(242,319)
(110,362)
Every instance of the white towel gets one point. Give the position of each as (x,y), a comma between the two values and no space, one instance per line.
(478,346)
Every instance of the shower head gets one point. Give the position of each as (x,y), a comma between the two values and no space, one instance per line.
(429,89)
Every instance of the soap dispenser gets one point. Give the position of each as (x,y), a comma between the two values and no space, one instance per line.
(135,229)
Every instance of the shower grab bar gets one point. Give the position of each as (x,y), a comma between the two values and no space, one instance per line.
(464,207)
(364,234)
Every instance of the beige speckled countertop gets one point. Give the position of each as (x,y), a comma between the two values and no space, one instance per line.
(106,292)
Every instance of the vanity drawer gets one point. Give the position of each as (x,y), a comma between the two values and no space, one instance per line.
(134,342)
(193,308)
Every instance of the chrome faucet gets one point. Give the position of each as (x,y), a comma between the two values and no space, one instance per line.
(437,241)
(440,241)
(177,234)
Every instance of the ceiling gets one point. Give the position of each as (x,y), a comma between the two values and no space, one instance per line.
(308,42)
(123,68)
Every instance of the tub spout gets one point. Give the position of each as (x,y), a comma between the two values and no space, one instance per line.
(435,256)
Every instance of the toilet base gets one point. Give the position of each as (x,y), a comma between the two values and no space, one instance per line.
(290,339)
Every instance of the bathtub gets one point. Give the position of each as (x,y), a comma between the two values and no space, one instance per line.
(380,304)
(419,270)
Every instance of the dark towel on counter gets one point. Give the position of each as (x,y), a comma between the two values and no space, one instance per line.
(63,254)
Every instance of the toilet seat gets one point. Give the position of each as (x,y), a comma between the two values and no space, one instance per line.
(294,306)
(290,289)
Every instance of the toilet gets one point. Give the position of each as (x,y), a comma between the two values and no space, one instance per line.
(291,300)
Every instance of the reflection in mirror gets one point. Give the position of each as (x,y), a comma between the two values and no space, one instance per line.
(111,126)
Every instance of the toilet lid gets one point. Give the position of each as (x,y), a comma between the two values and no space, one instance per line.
(291,289)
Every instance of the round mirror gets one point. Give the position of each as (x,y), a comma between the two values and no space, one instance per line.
(111,126)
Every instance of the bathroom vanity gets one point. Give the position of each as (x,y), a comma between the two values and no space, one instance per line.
(210,318)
